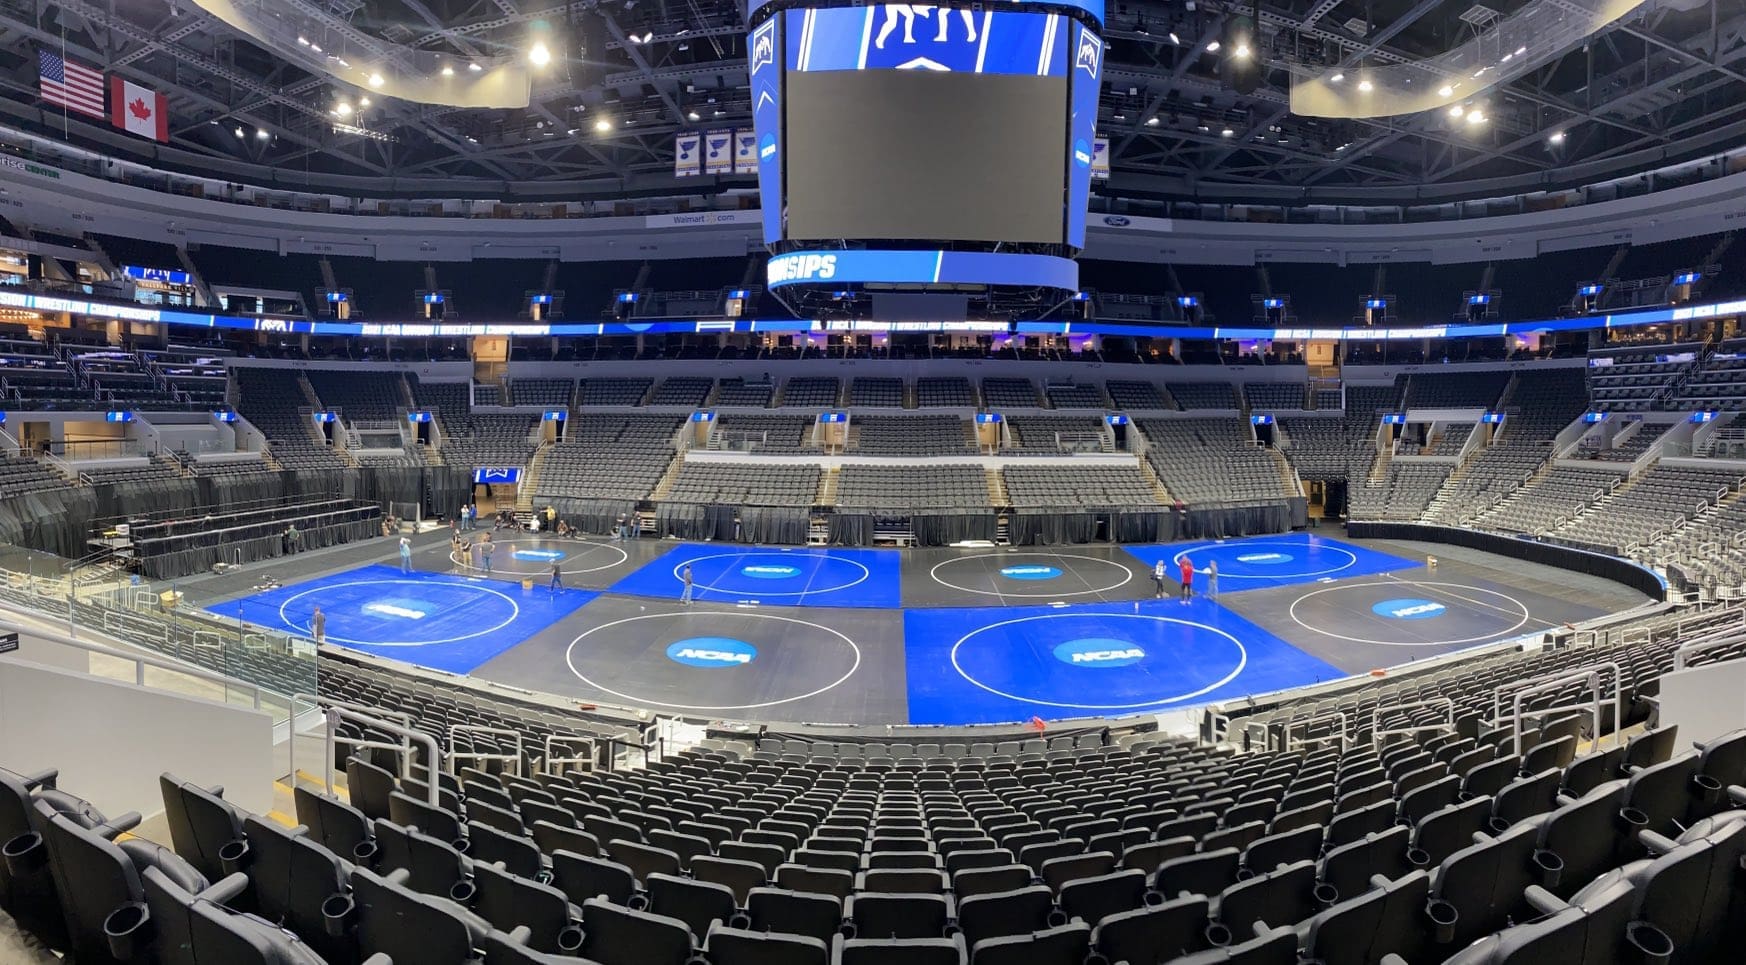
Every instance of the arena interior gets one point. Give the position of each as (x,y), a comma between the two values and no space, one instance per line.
(793,482)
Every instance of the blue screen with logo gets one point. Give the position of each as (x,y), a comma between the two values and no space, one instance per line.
(1087,77)
(766,71)
(924,38)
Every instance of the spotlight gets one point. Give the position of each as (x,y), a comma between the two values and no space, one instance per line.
(1175,39)
(375,80)
(1445,91)
(539,54)
(262,135)
(239,132)
(448,71)
(342,109)
(1151,122)
(1242,51)
(1336,78)
(603,125)
(1475,117)
(1457,111)
(1366,86)
(474,67)
(693,116)
(1227,132)
(1212,47)
(302,40)
(363,102)
(1557,137)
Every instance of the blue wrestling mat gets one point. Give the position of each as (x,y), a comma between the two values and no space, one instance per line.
(774,577)
(442,622)
(995,665)
(1257,562)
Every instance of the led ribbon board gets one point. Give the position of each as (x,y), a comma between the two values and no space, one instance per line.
(922,267)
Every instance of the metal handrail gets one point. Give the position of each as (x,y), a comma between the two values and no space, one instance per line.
(553,742)
(1377,733)
(1344,733)
(335,714)
(140,663)
(1682,656)
(454,755)
(1590,677)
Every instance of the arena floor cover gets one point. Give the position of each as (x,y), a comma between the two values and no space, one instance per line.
(940,636)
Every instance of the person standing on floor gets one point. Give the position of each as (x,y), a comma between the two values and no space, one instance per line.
(1187,577)
(1158,579)
(1212,580)
(318,626)
(485,549)
(685,574)
(557,577)
(405,555)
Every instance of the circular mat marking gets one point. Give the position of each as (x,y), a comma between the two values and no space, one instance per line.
(1508,607)
(711,652)
(737,666)
(405,606)
(773,568)
(1108,652)
(1249,552)
(538,558)
(1030,573)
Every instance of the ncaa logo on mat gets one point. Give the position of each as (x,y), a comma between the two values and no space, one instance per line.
(1099,652)
(545,555)
(397,609)
(711,652)
(1263,558)
(1409,609)
(1030,572)
(766,571)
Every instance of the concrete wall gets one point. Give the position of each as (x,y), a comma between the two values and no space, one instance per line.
(111,740)
(1705,701)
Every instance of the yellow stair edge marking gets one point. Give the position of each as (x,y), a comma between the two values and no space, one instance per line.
(281,819)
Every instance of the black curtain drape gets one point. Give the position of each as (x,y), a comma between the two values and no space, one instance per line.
(1045,528)
(774,525)
(1224,522)
(946,530)
(850,529)
(596,516)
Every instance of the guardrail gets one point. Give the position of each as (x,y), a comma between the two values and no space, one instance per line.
(140,662)
(336,714)
(454,756)
(1591,679)
(1377,733)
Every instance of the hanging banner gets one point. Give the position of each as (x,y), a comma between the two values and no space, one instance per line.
(687,155)
(745,152)
(718,152)
(1100,159)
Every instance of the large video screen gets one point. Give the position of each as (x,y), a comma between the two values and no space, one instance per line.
(967,157)
(915,122)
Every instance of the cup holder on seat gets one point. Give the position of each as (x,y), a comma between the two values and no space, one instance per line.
(336,915)
(127,929)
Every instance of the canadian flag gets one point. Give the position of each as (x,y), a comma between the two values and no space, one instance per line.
(139,110)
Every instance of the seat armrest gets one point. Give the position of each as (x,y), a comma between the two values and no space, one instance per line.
(1543,901)
(226,889)
(117,826)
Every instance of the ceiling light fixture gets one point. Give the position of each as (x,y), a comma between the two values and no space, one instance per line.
(603,125)
(1242,51)
(1227,132)
(1457,111)
(448,71)
(539,54)
(376,80)
(1366,86)
(1212,47)
(1336,78)
(1175,39)
(1557,137)
(1445,91)
(474,67)
(262,135)
(1475,116)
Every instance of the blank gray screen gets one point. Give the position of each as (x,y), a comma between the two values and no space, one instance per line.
(916,154)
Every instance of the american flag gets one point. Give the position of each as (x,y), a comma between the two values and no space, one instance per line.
(73,86)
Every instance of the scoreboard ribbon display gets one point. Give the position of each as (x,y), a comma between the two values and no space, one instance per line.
(1092,8)
(922,267)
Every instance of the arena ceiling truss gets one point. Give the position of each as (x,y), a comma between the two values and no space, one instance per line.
(1663,83)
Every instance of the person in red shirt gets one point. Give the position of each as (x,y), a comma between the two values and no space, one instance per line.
(1187,578)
